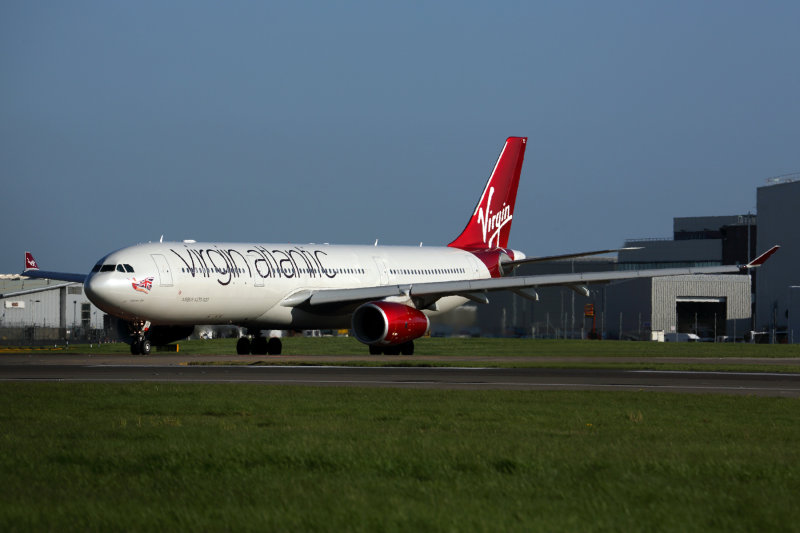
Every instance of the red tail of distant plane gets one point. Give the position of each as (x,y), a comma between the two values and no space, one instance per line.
(30,262)
(490,224)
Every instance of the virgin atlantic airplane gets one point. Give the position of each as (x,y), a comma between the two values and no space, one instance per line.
(384,294)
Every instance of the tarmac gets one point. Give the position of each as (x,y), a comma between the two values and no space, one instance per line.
(311,371)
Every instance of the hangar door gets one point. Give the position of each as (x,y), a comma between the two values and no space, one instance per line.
(703,316)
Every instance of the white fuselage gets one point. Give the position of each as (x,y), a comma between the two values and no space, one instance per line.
(188,283)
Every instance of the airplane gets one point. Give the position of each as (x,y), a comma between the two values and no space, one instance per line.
(384,294)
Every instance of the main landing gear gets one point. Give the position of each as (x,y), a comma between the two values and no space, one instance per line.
(259,345)
(407,348)
(140,344)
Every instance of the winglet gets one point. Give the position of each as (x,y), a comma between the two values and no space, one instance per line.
(761,259)
(30,262)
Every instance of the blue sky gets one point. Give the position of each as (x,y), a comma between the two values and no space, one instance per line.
(345,122)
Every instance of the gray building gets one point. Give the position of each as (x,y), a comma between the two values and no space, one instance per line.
(778,206)
(710,306)
(696,241)
(35,311)
(559,313)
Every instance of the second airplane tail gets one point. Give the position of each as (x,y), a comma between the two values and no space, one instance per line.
(490,224)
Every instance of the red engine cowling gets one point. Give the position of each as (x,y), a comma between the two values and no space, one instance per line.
(388,323)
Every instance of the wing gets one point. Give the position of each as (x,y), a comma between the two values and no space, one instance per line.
(426,294)
(32,271)
(62,276)
(33,291)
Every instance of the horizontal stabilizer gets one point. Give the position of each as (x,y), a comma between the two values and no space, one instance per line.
(516,263)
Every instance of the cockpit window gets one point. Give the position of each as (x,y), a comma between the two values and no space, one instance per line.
(96,268)
(120,268)
(107,268)
(128,268)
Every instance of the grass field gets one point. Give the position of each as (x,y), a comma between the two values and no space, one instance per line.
(77,457)
(527,353)
(476,346)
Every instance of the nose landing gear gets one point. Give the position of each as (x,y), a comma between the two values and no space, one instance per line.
(140,344)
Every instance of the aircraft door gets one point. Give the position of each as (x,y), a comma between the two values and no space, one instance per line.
(382,270)
(477,266)
(258,281)
(164,273)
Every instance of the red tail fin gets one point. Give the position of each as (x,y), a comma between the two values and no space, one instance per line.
(30,262)
(490,224)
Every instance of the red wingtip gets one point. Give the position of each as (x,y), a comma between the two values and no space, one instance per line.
(30,262)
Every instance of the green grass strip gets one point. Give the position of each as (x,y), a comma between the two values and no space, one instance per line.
(105,457)
(459,347)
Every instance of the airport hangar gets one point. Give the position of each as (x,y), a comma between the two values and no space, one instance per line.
(40,311)
(709,306)
(712,306)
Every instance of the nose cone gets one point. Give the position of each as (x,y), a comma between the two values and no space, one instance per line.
(107,292)
(97,290)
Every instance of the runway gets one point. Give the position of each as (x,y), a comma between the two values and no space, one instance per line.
(742,383)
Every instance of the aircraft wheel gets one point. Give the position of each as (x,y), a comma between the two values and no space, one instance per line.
(407,348)
(145,347)
(259,346)
(392,350)
(243,346)
(374,349)
(274,346)
(135,348)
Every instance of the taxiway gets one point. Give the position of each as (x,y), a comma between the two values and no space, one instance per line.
(173,369)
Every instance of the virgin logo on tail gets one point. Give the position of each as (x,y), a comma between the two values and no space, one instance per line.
(30,262)
(490,224)
(493,222)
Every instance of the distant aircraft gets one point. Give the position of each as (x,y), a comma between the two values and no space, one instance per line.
(384,294)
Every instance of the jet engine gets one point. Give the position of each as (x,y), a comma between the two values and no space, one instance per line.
(388,323)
